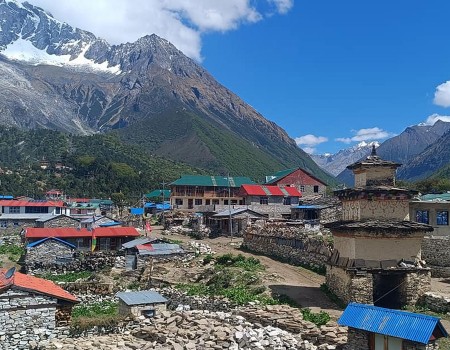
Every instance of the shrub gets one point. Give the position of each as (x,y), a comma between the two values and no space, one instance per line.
(94,310)
(68,277)
(318,318)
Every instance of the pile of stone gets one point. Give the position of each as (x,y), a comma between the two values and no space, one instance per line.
(193,330)
(291,320)
(180,230)
(200,248)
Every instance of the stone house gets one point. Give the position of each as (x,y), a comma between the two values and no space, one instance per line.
(106,238)
(375,328)
(48,252)
(432,209)
(203,193)
(240,219)
(61,220)
(142,303)
(16,214)
(377,252)
(31,309)
(299,178)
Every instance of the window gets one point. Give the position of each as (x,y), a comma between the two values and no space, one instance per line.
(178,201)
(225,202)
(316,189)
(422,216)
(302,188)
(287,200)
(16,223)
(14,210)
(442,217)
(263,200)
(36,210)
(215,201)
(3,224)
(198,201)
(234,201)
(57,210)
(208,201)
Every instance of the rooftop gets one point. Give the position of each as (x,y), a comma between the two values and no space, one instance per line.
(141,297)
(395,323)
(377,226)
(70,232)
(212,181)
(263,190)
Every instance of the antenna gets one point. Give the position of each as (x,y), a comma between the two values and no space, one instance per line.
(10,273)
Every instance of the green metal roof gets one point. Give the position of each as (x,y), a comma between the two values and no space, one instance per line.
(158,193)
(218,181)
(436,197)
(275,177)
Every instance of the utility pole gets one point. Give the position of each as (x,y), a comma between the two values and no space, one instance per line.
(163,219)
(230,226)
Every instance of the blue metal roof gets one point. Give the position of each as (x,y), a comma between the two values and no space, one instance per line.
(141,297)
(395,323)
(34,244)
(137,211)
(309,207)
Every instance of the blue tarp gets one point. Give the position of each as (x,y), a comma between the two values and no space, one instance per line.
(137,211)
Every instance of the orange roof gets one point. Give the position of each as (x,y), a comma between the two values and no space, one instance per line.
(262,190)
(39,285)
(70,232)
(16,203)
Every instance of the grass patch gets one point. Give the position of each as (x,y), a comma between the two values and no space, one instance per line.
(67,277)
(239,261)
(105,308)
(318,318)
(175,241)
(13,251)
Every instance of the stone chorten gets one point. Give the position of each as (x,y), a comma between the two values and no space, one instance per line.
(377,250)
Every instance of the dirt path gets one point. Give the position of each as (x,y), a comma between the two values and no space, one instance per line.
(301,285)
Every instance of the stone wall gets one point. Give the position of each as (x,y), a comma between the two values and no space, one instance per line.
(47,253)
(60,221)
(436,253)
(95,288)
(25,319)
(348,286)
(357,340)
(83,261)
(435,302)
(288,243)
(417,283)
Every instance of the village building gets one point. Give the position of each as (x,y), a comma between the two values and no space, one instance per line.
(377,251)
(54,194)
(303,181)
(432,209)
(61,220)
(48,252)
(24,213)
(240,219)
(145,303)
(375,328)
(195,192)
(31,309)
(105,238)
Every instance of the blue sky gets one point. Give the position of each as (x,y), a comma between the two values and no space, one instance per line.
(331,73)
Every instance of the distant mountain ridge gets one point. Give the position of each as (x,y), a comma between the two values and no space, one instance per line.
(148,92)
(405,147)
(336,163)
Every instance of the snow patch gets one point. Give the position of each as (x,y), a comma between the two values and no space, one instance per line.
(24,50)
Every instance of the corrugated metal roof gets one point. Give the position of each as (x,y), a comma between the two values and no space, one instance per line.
(137,241)
(309,207)
(275,177)
(263,190)
(158,193)
(436,197)
(395,323)
(141,297)
(219,181)
(226,213)
(36,203)
(21,216)
(34,244)
(70,232)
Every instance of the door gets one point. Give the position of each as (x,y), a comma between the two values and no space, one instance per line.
(190,203)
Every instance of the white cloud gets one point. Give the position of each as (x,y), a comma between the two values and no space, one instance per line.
(310,140)
(182,22)
(368,134)
(309,150)
(442,95)
(435,117)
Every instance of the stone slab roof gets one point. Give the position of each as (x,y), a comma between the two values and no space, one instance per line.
(377,226)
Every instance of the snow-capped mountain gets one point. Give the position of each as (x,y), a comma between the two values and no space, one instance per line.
(59,77)
(336,163)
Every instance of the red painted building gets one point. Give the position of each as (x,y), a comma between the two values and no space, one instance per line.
(303,181)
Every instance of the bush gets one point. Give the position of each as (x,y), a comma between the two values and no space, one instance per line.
(94,310)
(240,261)
(13,251)
(319,319)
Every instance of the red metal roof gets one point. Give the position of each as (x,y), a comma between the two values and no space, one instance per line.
(70,232)
(260,190)
(15,203)
(40,285)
